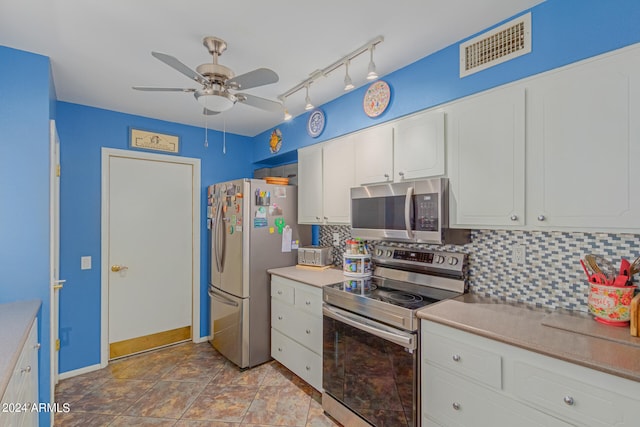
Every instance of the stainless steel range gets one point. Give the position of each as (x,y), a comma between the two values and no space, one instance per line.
(371,334)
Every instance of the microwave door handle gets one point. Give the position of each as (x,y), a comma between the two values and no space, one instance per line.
(407,212)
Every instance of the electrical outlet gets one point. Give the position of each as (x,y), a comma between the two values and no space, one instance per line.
(518,254)
(85,263)
(336,239)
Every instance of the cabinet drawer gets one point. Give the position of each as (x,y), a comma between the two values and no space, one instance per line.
(298,325)
(282,290)
(300,360)
(453,401)
(588,404)
(472,362)
(310,302)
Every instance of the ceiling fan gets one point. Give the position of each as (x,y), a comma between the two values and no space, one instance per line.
(219,83)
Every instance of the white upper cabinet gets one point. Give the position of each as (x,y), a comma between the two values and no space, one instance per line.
(486,149)
(408,148)
(418,146)
(338,157)
(374,155)
(584,138)
(325,177)
(310,185)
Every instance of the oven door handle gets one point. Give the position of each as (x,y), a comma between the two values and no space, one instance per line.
(406,340)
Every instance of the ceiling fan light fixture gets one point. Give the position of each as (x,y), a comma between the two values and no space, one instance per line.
(215,100)
(348,83)
(371,69)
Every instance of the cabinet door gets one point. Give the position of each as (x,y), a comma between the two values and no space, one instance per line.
(419,146)
(310,185)
(584,145)
(374,155)
(486,160)
(338,176)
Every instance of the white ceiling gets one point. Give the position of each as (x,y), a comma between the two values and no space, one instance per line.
(100,48)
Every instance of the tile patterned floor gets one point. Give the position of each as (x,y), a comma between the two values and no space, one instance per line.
(189,385)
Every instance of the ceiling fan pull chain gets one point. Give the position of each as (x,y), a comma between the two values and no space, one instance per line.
(206,131)
(224,135)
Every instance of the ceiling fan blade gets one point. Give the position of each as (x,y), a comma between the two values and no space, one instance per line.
(255,78)
(162,89)
(209,112)
(262,103)
(179,66)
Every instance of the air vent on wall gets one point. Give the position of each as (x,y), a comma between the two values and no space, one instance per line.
(501,44)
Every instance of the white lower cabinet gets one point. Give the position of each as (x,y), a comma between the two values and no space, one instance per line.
(461,386)
(296,328)
(22,390)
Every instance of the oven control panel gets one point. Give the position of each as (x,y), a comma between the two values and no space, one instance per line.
(454,262)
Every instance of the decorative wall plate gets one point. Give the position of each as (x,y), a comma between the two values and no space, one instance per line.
(376,98)
(315,123)
(275,141)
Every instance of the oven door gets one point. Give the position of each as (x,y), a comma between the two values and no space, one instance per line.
(370,368)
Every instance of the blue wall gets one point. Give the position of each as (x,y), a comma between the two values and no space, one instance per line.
(83,132)
(563,31)
(24,191)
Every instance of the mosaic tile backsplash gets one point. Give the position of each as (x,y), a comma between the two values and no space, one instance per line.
(551,277)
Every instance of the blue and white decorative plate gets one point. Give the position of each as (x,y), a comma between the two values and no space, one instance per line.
(315,123)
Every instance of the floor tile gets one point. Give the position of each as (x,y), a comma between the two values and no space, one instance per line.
(82,419)
(112,397)
(167,399)
(230,374)
(125,421)
(222,403)
(278,405)
(199,423)
(201,370)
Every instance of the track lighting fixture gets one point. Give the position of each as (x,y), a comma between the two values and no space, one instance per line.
(287,116)
(371,70)
(308,105)
(348,83)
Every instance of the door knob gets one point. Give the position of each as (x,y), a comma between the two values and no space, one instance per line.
(115,268)
(58,284)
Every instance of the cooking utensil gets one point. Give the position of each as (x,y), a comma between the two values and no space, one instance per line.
(621,280)
(635,267)
(584,267)
(599,264)
(625,265)
(599,279)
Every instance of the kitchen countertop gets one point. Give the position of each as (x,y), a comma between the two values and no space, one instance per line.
(310,275)
(570,336)
(16,319)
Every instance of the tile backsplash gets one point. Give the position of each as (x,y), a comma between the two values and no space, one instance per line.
(551,276)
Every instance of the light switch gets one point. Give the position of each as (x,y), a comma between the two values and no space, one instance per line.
(85,263)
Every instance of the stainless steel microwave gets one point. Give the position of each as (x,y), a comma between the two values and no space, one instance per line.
(409,211)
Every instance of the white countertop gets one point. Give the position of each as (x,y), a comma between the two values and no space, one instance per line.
(16,319)
(310,275)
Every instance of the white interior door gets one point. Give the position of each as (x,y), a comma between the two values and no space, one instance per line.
(54,250)
(151,238)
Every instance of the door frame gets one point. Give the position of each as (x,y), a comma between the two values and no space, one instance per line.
(107,153)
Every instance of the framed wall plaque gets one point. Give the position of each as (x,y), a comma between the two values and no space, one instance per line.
(155,141)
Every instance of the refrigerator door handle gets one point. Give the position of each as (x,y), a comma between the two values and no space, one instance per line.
(217,247)
(222,299)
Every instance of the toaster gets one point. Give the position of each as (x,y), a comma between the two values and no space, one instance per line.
(314,255)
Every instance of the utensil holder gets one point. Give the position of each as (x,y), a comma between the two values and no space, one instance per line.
(611,305)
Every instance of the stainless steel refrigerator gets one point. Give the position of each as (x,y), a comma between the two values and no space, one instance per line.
(252,227)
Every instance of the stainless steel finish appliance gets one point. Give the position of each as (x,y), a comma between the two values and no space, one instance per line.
(371,339)
(410,211)
(314,255)
(252,225)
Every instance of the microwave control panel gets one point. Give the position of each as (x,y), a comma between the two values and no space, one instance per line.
(426,212)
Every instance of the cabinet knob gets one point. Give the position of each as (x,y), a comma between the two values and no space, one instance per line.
(541,218)
(279,348)
(308,331)
(25,370)
(325,218)
(514,217)
(318,218)
(279,292)
(568,400)
(37,346)
(386,175)
(279,317)
(308,368)
(456,406)
(456,357)
(307,302)
(401,174)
